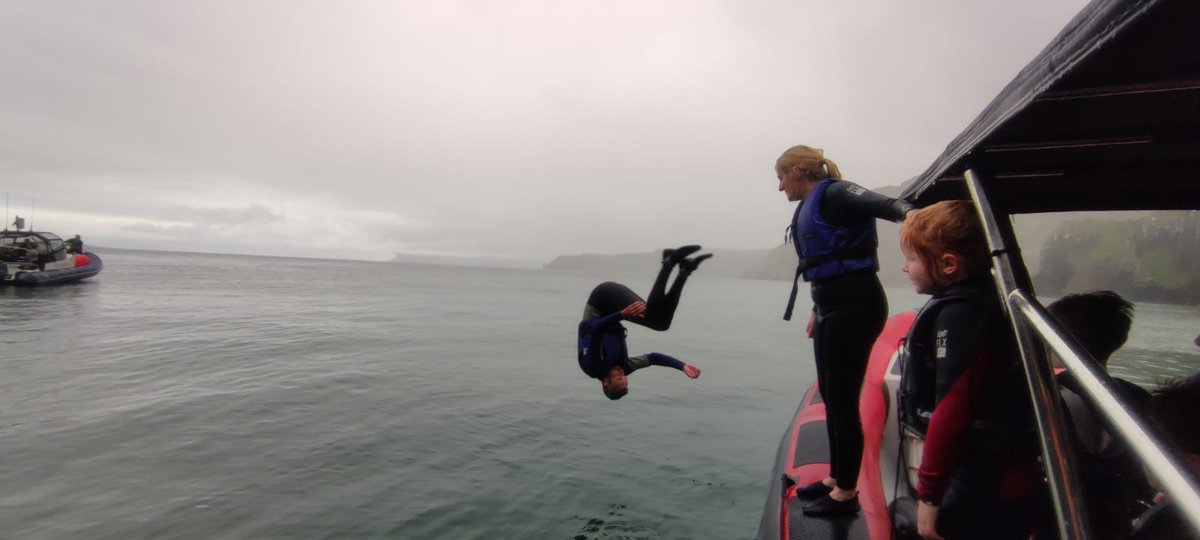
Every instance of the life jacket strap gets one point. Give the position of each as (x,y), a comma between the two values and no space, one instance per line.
(860,252)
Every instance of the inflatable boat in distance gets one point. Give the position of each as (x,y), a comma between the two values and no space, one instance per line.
(29,258)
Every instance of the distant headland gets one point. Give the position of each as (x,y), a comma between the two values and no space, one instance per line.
(1144,256)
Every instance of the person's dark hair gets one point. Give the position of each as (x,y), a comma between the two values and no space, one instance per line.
(1099,320)
(1173,410)
(615,393)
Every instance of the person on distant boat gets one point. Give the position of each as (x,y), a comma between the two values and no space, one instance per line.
(75,245)
(963,388)
(833,231)
(602,351)
(1173,409)
(31,250)
(1114,484)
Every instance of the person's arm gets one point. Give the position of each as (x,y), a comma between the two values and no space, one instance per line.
(963,366)
(845,200)
(595,328)
(659,359)
(927,521)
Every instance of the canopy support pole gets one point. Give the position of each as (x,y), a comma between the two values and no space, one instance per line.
(1011,275)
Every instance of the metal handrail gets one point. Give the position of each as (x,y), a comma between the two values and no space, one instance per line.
(1053,436)
(1126,421)
(1032,323)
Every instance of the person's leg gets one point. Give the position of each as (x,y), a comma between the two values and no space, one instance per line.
(846,334)
(852,334)
(608,298)
(972,507)
(660,308)
(822,353)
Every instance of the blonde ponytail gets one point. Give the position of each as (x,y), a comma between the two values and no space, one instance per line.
(831,168)
(810,160)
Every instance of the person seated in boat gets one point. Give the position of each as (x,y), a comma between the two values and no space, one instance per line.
(1114,485)
(31,250)
(963,388)
(75,245)
(1172,409)
(1100,322)
(602,351)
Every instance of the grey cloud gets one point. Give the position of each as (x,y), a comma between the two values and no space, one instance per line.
(522,129)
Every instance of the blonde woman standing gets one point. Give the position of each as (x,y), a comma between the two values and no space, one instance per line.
(833,231)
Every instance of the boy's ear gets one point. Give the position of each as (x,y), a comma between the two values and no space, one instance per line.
(950,264)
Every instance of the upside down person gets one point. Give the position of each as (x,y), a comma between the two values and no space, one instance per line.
(602,351)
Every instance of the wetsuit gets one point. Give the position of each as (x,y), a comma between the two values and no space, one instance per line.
(963,388)
(850,306)
(1114,483)
(602,337)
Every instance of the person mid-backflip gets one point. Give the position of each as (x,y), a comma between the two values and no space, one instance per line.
(602,352)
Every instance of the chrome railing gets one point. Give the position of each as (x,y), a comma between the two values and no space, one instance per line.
(1054,439)
(1034,328)
(1173,477)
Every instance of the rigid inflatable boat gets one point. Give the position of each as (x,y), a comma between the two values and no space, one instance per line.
(803,455)
(31,258)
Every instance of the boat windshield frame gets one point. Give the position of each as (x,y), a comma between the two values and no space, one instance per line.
(50,241)
(1037,332)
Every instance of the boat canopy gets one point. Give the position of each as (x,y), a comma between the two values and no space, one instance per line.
(45,236)
(52,242)
(1107,117)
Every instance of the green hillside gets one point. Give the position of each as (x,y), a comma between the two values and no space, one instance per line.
(1155,259)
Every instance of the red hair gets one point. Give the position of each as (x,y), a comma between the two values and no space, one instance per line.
(946,227)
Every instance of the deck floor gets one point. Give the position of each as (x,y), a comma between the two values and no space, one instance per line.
(802,527)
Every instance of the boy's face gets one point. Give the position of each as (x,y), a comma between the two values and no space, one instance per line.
(615,379)
(917,273)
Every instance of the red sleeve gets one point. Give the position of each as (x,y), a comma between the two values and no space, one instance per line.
(947,435)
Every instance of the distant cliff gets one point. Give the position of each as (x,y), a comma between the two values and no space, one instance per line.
(454,260)
(1144,256)
(1155,258)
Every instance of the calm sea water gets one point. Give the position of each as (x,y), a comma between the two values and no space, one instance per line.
(208,396)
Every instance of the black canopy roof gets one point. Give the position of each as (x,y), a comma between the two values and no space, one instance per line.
(1106,117)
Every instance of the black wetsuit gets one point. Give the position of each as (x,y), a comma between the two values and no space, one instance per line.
(1114,484)
(978,461)
(851,310)
(601,336)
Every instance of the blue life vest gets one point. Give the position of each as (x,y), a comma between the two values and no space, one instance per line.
(828,250)
(612,347)
(611,350)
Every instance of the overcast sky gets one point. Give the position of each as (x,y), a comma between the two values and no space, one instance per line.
(523,129)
